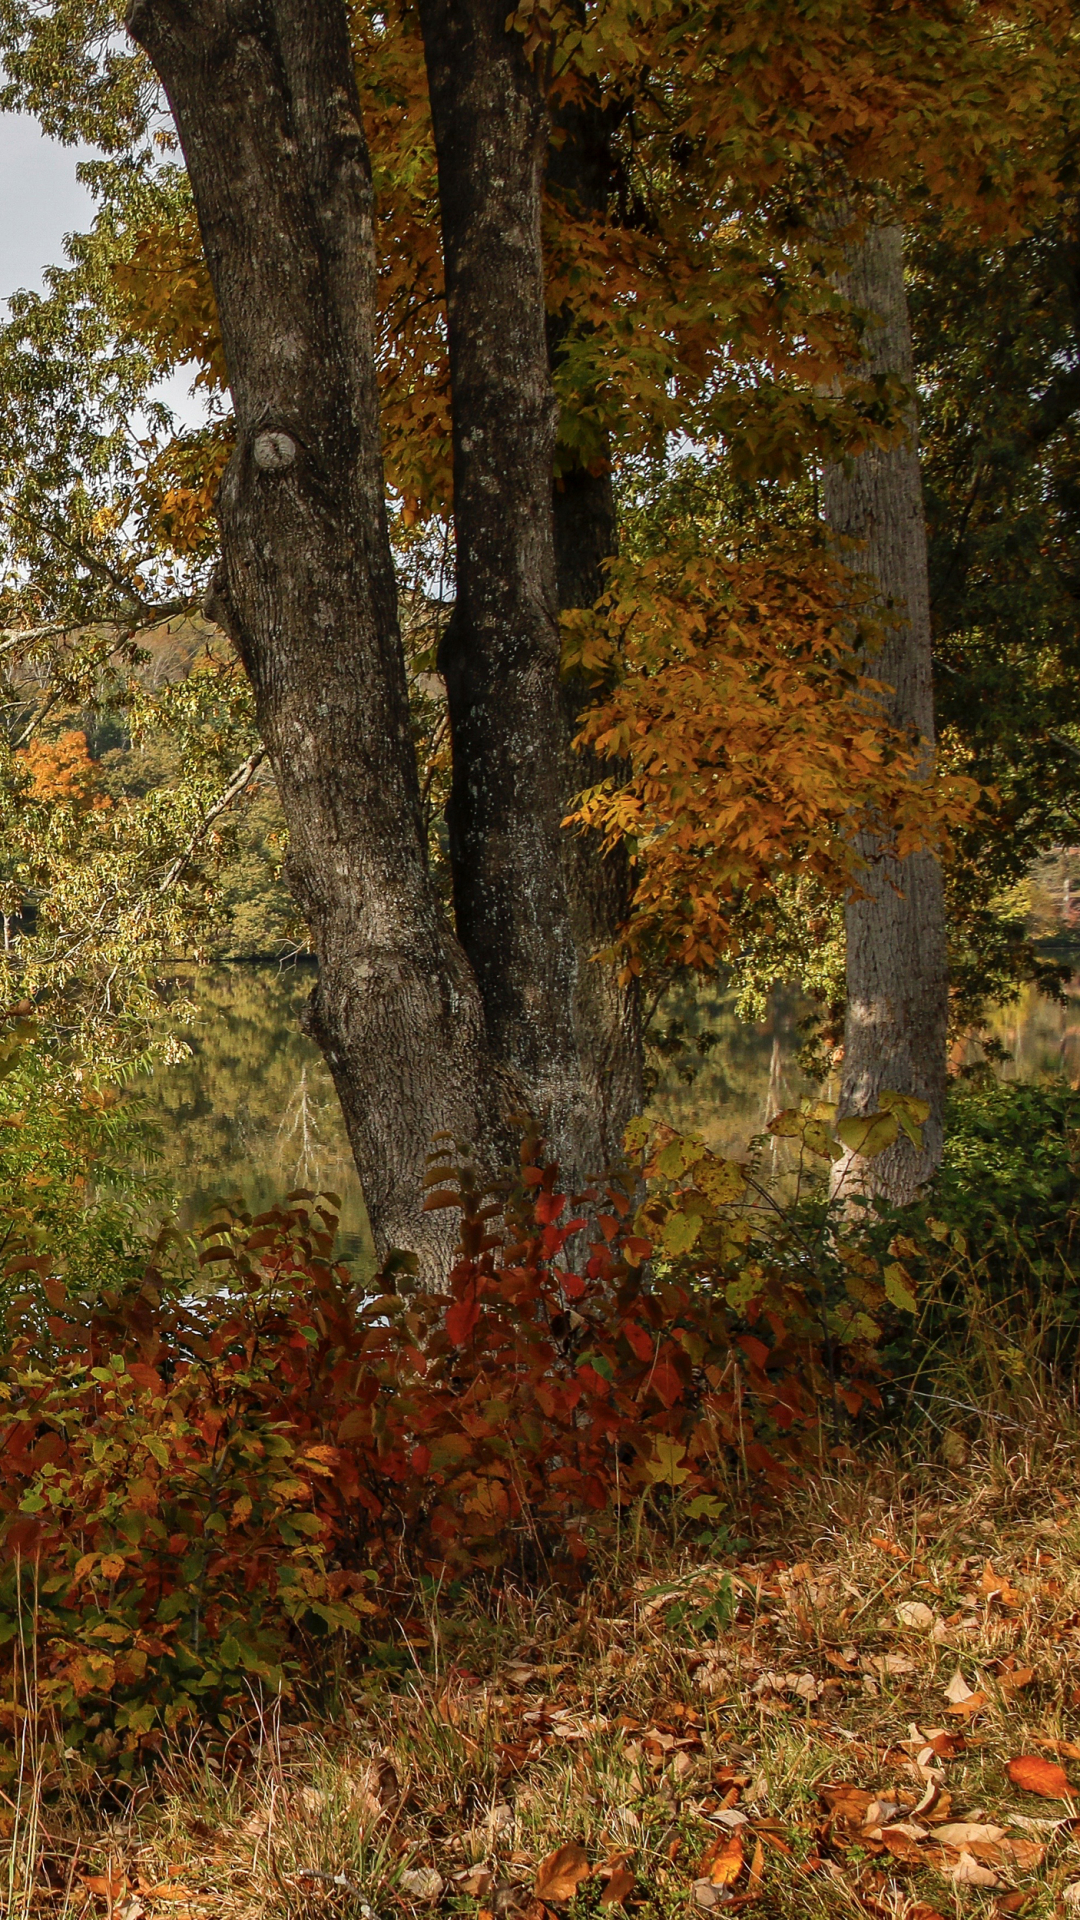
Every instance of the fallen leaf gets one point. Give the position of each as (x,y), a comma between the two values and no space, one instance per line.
(903,1842)
(971,1705)
(756,1877)
(1024,1854)
(922,1912)
(957,1690)
(107,1886)
(1032,1774)
(475,1882)
(423,1883)
(1019,1677)
(620,1885)
(704,1894)
(960,1833)
(969,1872)
(915,1613)
(559,1875)
(1014,1902)
(848,1804)
(723,1862)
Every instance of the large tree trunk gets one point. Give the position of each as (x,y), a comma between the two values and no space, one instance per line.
(897,985)
(265,103)
(513,875)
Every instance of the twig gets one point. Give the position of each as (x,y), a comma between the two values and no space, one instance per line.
(240,780)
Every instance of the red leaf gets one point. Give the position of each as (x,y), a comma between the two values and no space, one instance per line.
(462,1318)
(549,1206)
(638,1339)
(1034,1775)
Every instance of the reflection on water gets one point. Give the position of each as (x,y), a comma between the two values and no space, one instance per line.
(1041,1037)
(253,1111)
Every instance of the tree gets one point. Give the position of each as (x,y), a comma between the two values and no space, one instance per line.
(280,175)
(897,984)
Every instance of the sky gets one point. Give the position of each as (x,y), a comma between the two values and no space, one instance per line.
(40,202)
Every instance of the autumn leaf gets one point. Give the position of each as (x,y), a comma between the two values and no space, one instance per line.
(1032,1774)
(559,1875)
(723,1863)
(969,1872)
(620,1885)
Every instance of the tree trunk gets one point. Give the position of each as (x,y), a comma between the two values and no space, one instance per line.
(897,983)
(607,1012)
(513,874)
(265,102)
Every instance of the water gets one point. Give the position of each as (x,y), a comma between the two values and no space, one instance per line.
(252,1111)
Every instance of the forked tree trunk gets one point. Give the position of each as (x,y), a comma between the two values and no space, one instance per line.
(266,107)
(520,895)
(897,983)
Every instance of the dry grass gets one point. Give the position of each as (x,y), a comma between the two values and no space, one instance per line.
(648,1721)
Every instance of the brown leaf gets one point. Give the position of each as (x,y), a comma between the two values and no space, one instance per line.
(903,1842)
(969,1872)
(1019,1677)
(756,1878)
(169,1890)
(1024,1854)
(723,1862)
(559,1875)
(922,1912)
(107,1886)
(960,1833)
(973,1704)
(475,1882)
(847,1803)
(1032,1774)
(619,1887)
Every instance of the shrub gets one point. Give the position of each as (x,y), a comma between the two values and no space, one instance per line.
(193,1487)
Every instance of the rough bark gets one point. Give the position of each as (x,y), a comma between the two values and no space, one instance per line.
(265,104)
(607,1012)
(897,984)
(512,874)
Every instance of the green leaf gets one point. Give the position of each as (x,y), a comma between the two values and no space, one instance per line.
(680,1232)
(664,1469)
(899,1289)
(869,1134)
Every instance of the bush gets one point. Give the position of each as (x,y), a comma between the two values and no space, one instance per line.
(194,1490)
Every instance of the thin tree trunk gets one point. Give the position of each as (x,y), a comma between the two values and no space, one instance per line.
(265,102)
(897,983)
(512,873)
(607,1011)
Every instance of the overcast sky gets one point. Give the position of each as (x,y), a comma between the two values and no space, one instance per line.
(40,202)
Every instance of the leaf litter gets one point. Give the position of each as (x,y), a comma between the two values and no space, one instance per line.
(762,1732)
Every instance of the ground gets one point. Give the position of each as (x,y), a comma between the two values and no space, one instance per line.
(872,1706)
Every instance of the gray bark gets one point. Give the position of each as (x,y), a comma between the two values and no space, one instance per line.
(266,107)
(897,982)
(523,897)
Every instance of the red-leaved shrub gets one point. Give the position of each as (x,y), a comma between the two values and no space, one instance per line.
(189,1486)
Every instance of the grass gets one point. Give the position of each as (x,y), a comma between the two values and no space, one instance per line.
(648,1724)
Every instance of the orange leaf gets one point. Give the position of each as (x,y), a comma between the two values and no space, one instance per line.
(558,1876)
(1034,1775)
